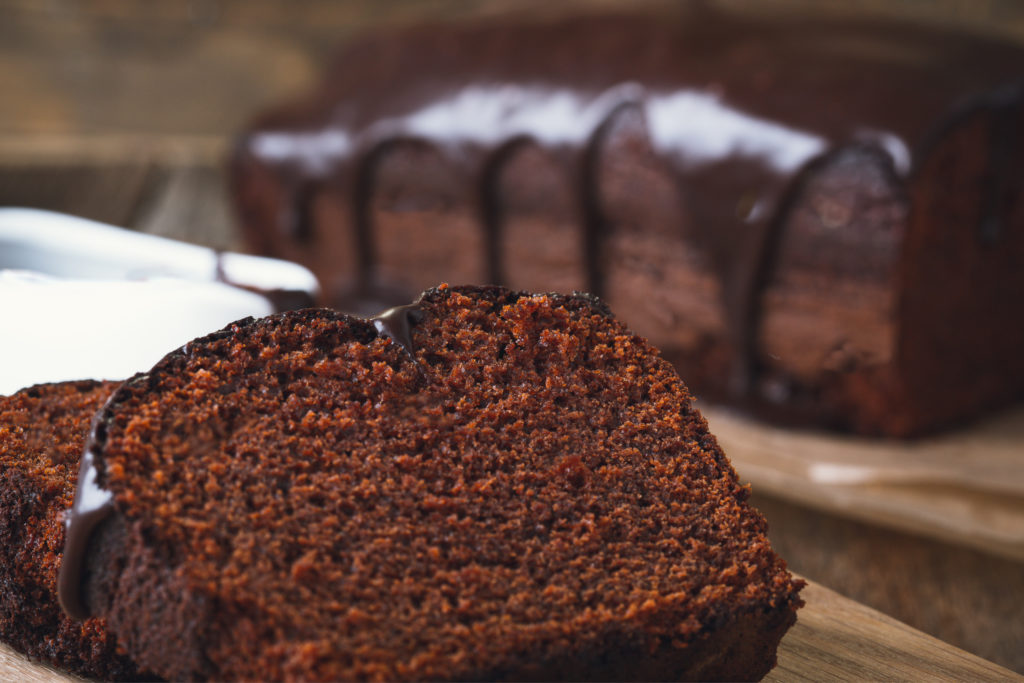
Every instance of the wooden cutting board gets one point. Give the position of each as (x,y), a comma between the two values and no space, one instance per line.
(964,487)
(834,639)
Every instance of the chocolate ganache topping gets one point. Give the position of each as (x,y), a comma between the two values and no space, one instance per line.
(396,323)
(92,505)
(737,110)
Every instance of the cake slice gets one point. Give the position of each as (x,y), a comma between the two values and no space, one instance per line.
(42,432)
(484,485)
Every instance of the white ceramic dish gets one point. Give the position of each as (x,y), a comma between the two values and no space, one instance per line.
(81,299)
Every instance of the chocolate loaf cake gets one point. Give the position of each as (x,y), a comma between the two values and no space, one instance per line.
(42,433)
(483,485)
(818,220)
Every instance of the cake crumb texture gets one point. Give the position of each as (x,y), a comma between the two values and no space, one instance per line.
(42,432)
(530,494)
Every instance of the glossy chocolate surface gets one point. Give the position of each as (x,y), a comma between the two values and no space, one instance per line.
(396,324)
(91,506)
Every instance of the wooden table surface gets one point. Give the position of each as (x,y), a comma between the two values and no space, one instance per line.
(965,487)
(197,68)
(834,639)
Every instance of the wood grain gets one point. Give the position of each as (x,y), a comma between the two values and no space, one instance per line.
(201,67)
(930,531)
(110,193)
(956,594)
(965,487)
(16,667)
(834,639)
(183,201)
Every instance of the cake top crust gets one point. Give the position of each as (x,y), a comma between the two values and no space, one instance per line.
(530,466)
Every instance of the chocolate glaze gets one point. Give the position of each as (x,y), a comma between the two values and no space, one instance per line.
(396,324)
(1006,106)
(92,505)
(725,102)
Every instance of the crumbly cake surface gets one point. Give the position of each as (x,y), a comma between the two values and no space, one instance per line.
(42,432)
(529,494)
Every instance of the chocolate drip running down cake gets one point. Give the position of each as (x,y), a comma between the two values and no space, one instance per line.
(42,433)
(822,221)
(486,485)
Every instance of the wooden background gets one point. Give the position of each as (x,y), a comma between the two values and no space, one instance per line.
(194,70)
(122,110)
(153,91)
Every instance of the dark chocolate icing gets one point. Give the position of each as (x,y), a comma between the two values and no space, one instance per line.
(396,324)
(91,506)
(735,109)
(1006,106)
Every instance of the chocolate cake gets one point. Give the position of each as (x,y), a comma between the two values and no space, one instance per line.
(42,433)
(819,220)
(483,485)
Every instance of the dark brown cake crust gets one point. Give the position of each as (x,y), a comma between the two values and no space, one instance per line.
(524,493)
(797,211)
(42,432)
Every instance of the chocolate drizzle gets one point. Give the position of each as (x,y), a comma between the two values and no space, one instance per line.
(733,108)
(397,323)
(299,221)
(1006,111)
(92,505)
(489,203)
